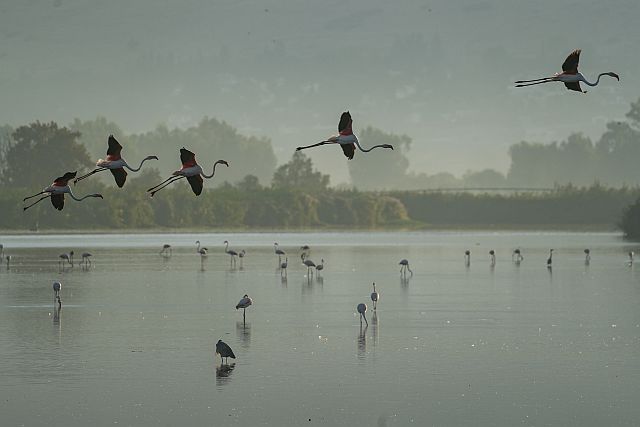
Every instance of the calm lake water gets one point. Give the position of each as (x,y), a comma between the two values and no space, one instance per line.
(134,341)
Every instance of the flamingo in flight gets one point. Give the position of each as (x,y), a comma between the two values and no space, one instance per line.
(191,170)
(569,75)
(345,138)
(56,191)
(115,163)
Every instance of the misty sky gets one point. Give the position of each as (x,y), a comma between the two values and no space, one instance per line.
(439,71)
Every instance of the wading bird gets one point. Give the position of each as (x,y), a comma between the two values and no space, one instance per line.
(320,267)
(201,250)
(115,163)
(224,351)
(587,256)
(86,259)
(309,264)
(56,292)
(1,250)
(404,266)
(467,257)
(241,255)
(347,140)
(283,266)
(57,191)
(375,296)
(516,256)
(68,258)
(233,254)
(278,251)
(166,250)
(550,259)
(569,75)
(630,259)
(8,259)
(492,257)
(362,309)
(191,170)
(243,304)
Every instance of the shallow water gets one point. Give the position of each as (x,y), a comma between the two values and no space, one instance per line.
(134,341)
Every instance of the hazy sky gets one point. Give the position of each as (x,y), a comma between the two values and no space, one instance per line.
(439,71)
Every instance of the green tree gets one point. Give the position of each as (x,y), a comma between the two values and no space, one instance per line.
(299,174)
(41,152)
(380,168)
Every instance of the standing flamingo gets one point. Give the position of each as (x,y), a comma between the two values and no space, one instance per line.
(278,251)
(65,258)
(56,293)
(86,259)
(191,170)
(320,267)
(375,296)
(243,304)
(202,252)
(283,266)
(347,140)
(467,258)
(492,257)
(57,191)
(309,264)
(569,75)
(233,254)
(224,351)
(362,309)
(1,250)
(587,256)
(115,163)
(630,259)
(516,256)
(404,266)
(8,259)
(550,259)
(241,255)
(166,250)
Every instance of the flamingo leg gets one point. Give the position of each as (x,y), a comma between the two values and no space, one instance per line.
(164,184)
(313,145)
(534,80)
(536,83)
(88,174)
(36,202)
(31,197)
(166,180)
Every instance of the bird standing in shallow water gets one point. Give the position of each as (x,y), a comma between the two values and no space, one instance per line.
(550,259)
(278,251)
(233,254)
(309,264)
(345,138)
(569,75)
(375,296)
(404,266)
(283,266)
(166,250)
(587,256)
(467,258)
(56,192)
(243,304)
(56,292)
(115,163)
(362,309)
(191,170)
(224,351)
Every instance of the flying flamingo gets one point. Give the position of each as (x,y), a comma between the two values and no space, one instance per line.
(569,75)
(57,191)
(224,351)
(115,163)
(278,251)
(191,170)
(233,254)
(362,309)
(309,264)
(243,304)
(345,138)
(404,266)
(375,296)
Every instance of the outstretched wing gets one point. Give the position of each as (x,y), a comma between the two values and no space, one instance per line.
(114,147)
(196,184)
(574,86)
(120,175)
(349,150)
(57,200)
(187,157)
(570,64)
(345,119)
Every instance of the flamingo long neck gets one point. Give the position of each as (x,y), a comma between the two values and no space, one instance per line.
(139,166)
(213,172)
(597,81)
(73,196)
(226,247)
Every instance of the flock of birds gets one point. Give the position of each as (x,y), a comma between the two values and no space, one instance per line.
(194,173)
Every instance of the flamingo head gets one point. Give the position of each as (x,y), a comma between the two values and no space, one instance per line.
(223,162)
(97,195)
(614,75)
(151,158)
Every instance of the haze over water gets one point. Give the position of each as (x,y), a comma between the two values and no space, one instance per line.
(134,341)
